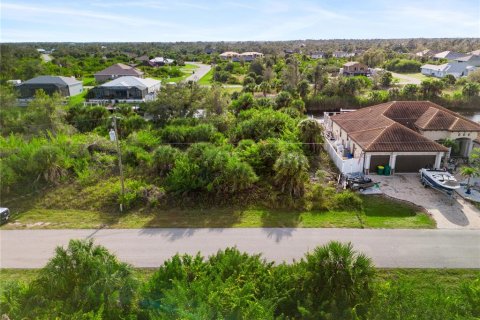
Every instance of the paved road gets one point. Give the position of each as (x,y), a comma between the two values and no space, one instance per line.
(150,247)
(199,72)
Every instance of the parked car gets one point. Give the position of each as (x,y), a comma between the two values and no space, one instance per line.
(4,215)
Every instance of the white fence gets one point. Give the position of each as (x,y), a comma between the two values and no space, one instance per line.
(344,165)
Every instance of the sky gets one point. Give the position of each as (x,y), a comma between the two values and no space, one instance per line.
(229,20)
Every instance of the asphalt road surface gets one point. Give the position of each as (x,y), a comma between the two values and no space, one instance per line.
(199,72)
(150,247)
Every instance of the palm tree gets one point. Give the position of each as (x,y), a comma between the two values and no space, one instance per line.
(338,279)
(264,87)
(291,172)
(310,132)
(468,172)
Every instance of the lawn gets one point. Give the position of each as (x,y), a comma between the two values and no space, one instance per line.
(231,89)
(79,98)
(88,81)
(190,66)
(378,212)
(417,75)
(207,78)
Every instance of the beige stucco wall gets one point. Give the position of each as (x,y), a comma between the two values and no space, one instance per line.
(341,134)
(439,135)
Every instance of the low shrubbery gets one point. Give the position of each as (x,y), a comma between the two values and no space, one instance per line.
(85,281)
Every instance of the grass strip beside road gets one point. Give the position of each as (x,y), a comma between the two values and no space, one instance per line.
(207,78)
(378,212)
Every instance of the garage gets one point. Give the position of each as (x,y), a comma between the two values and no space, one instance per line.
(377,160)
(413,163)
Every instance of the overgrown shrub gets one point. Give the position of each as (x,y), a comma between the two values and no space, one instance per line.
(348,201)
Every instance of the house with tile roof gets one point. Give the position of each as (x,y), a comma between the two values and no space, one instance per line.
(115,71)
(245,56)
(405,135)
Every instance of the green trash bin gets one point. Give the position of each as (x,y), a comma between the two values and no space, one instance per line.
(387,170)
(380,170)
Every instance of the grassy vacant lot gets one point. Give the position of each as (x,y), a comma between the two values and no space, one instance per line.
(378,212)
(418,75)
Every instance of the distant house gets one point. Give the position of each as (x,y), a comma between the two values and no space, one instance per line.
(65,86)
(354,68)
(427,53)
(342,54)
(440,71)
(160,61)
(116,71)
(126,89)
(245,56)
(317,55)
(43,51)
(142,58)
(250,56)
(229,55)
(458,67)
(449,55)
(475,52)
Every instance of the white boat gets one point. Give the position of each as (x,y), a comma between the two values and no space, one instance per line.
(439,179)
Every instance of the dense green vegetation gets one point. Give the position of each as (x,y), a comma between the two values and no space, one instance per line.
(85,281)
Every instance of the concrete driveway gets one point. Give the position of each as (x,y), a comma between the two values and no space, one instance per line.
(449,213)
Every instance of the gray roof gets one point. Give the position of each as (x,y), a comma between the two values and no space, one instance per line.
(53,80)
(129,81)
(448,55)
(119,69)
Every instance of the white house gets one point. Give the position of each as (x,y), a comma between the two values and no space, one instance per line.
(458,67)
(342,54)
(317,55)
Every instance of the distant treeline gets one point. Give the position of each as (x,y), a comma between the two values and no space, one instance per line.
(267,47)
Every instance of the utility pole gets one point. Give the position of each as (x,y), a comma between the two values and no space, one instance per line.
(114,136)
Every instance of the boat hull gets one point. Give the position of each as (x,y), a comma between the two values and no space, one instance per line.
(440,179)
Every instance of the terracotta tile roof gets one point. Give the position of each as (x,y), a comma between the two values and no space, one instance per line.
(399,138)
(395,126)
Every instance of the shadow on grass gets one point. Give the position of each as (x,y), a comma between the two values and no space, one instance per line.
(280,218)
(195,218)
(379,206)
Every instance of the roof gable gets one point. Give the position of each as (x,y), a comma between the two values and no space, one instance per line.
(394,126)
(119,69)
(129,81)
(399,138)
(58,80)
